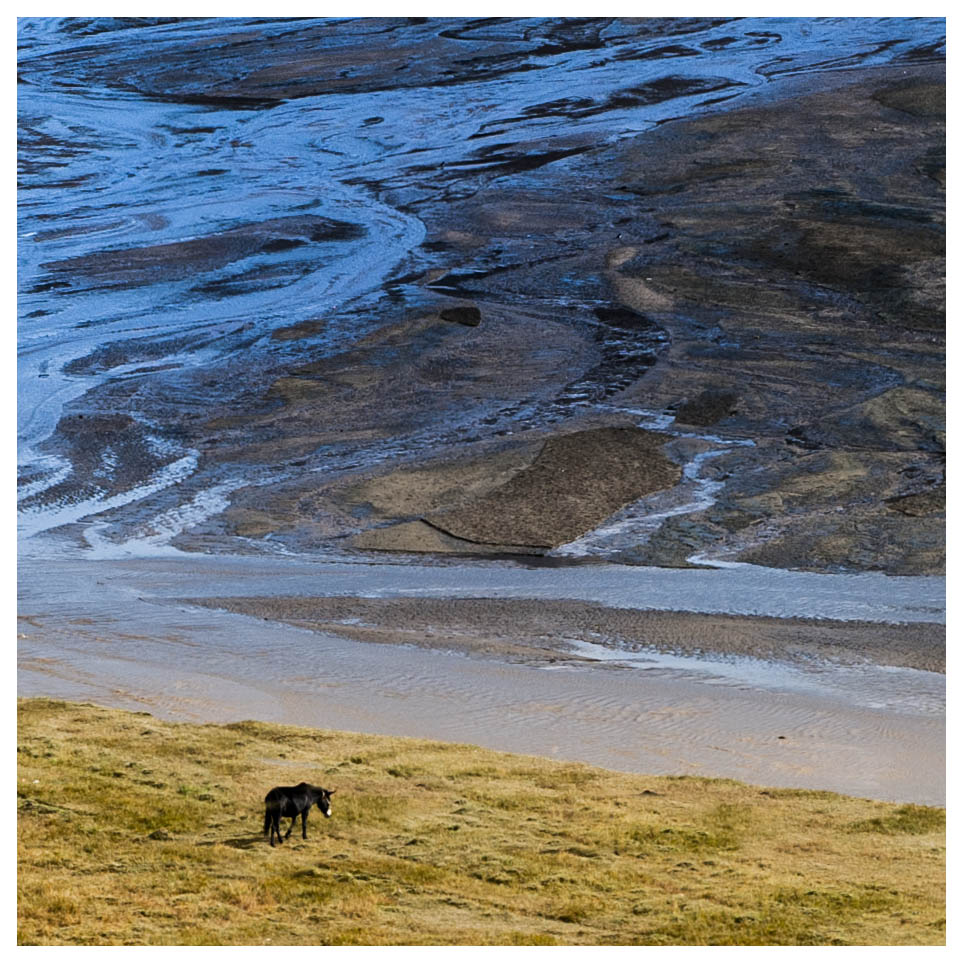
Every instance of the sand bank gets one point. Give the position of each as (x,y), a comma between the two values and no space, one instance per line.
(543,631)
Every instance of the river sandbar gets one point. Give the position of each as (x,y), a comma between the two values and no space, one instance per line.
(536,631)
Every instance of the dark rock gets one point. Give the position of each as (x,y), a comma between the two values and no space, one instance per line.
(707,408)
(467,315)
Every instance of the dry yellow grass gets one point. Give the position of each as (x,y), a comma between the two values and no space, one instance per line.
(137,831)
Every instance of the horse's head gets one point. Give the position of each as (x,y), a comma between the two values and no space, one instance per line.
(324,802)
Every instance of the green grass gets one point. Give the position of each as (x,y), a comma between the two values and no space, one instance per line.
(908,819)
(136,831)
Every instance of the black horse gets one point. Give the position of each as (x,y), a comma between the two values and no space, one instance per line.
(293,802)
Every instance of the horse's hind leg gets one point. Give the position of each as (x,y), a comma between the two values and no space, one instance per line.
(275,828)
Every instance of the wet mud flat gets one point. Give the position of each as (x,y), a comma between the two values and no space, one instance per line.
(793,255)
(757,284)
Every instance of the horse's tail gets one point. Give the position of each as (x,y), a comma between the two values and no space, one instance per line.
(267,819)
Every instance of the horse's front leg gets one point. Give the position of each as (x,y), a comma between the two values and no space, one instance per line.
(293,820)
(304,824)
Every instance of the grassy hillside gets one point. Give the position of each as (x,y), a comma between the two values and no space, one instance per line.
(137,831)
